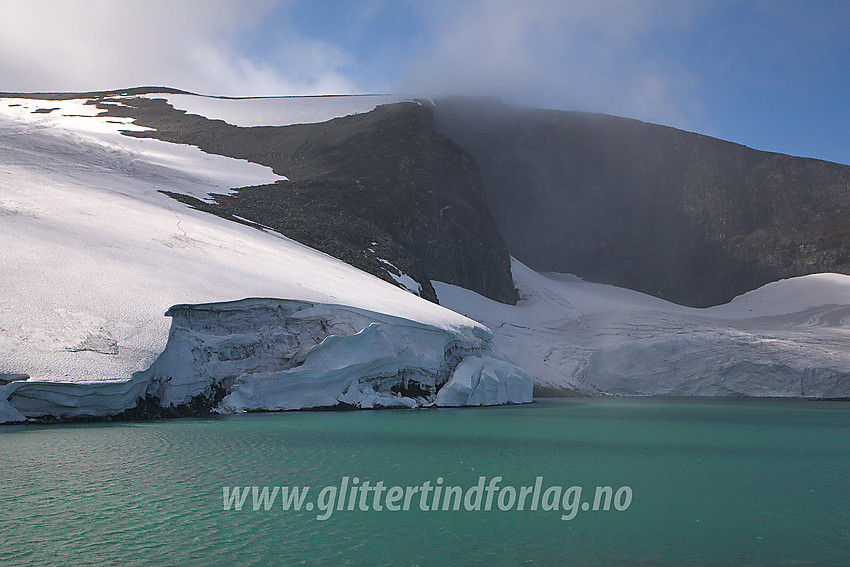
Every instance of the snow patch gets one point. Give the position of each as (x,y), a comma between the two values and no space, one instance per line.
(276,111)
(402,279)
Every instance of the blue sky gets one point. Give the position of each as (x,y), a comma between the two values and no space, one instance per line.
(774,75)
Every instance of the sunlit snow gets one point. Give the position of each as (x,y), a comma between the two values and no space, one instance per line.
(92,254)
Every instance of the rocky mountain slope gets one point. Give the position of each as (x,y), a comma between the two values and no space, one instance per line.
(380,190)
(681,216)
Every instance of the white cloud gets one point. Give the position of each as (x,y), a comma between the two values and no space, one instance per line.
(558,53)
(573,54)
(194,45)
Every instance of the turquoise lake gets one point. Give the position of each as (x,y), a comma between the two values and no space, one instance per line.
(711,482)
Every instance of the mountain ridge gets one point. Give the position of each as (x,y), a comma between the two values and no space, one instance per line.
(682,216)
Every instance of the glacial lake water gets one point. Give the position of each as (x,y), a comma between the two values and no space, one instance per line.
(710,482)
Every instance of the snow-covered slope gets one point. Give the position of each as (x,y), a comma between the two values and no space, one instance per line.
(92,255)
(789,338)
(276,111)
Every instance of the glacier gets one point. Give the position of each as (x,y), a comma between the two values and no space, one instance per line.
(92,253)
(262,354)
(786,339)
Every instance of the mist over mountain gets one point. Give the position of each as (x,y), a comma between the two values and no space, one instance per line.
(685,217)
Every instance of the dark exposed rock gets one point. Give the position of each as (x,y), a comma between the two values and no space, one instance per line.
(678,215)
(382,184)
(414,389)
(150,408)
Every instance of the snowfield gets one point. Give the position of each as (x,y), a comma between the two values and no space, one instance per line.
(92,256)
(276,111)
(787,339)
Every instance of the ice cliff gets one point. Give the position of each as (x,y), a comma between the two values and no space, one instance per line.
(786,339)
(275,354)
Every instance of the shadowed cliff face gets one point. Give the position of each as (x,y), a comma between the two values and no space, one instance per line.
(380,185)
(681,216)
